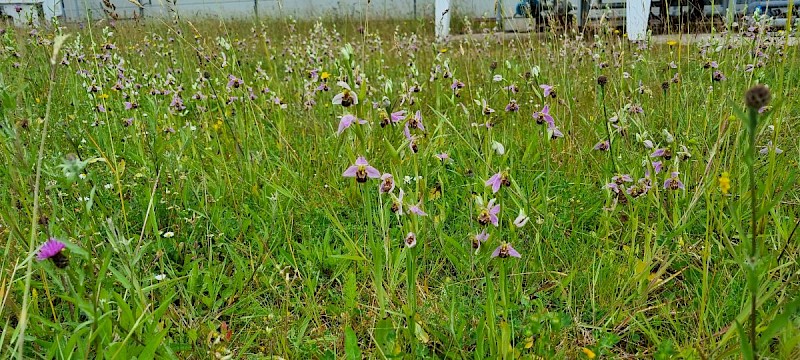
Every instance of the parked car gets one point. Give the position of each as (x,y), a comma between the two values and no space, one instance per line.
(777,11)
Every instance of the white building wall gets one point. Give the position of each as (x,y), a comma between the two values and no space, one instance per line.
(300,9)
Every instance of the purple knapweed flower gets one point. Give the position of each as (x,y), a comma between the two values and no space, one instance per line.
(673,183)
(544,116)
(387,183)
(504,251)
(347,97)
(348,120)
(52,249)
(489,214)
(361,170)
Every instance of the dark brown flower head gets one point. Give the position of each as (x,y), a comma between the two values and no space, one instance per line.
(757,97)
(665,85)
(493,65)
(602,80)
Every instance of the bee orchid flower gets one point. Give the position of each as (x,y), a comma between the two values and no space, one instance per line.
(361,170)
(504,251)
(347,97)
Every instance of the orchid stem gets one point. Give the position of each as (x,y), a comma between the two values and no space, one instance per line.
(608,130)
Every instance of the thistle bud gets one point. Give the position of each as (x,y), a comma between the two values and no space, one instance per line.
(757,97)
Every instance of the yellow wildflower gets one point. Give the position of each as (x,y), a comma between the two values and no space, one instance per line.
(443,50)
(325,75)
(103,96)
(589,353)
(529,342)
(725,183)
(672,43)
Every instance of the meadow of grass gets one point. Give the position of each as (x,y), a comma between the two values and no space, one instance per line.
(201,176)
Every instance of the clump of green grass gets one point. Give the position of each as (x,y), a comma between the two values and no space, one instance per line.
(194,172)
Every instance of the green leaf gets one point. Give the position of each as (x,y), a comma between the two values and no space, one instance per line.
(350,290)
(153,342)
(351,350)
(746,348)
(383,329)
(421,334)
(780,322)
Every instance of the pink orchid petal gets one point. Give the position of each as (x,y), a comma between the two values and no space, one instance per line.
(351,171)
(373,172)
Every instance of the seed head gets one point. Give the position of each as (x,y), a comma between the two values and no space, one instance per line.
(602,80)
(757,97)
